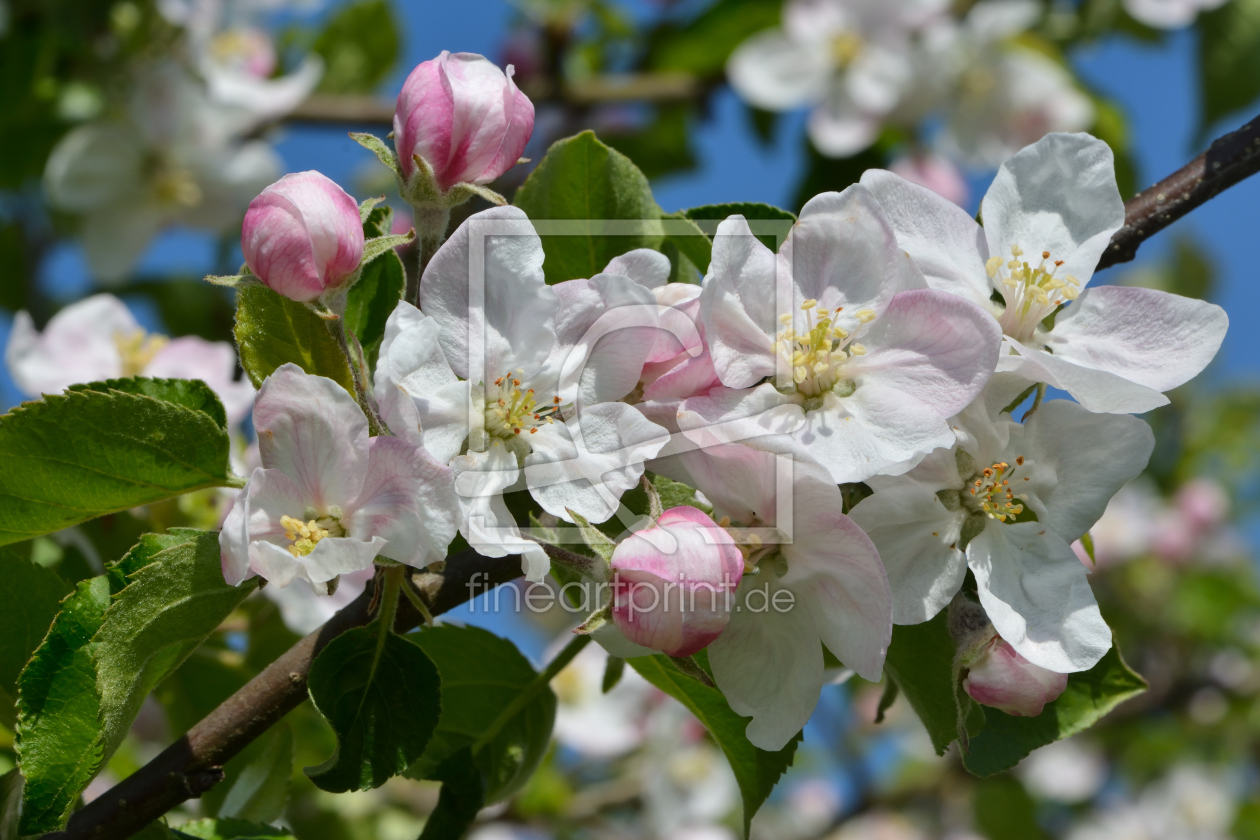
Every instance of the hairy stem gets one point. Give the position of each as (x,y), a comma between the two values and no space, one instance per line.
(337,327)
(430,224)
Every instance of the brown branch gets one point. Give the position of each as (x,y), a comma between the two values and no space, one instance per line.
(193,764)
(1227,161)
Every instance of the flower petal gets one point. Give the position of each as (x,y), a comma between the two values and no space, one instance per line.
(79,344)
(739,304)
(1057,195)
(917,540)
(1097,390)
(771,71)
(1036,592)
(945,243)
(314,432)
(644,266)
(1146,336)
(335,556)
(480,481)
(496,257)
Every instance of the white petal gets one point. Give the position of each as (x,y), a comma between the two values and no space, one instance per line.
(769,665)
(739,304)
(491,282)
(945,243)
(115,237)
(771,71)
(312,430)
(644,266)
(79,344)
(1097,390)
(1079,460)
(335,556)
(879,76)
(1057,195)
(234,541)
(1036,592)
(587,463)
(917,540)
(1146,336)
(94,166)
(838,127)
(487,525)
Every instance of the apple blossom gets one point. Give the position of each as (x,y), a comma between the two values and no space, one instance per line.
(843,322)
(592,722)
(1001,678)
(819,582)
(464,118)
(328,500)
(475,378)
(971,506)
(98,338)
(858,60)
(302,236)
(1169,14)
(1048,218)
(673,582)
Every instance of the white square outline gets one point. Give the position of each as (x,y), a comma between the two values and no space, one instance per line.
(480,228)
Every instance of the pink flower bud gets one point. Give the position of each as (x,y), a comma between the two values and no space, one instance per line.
(934,172)
(674,582)
(1003,679)
(465,117)
(302,236)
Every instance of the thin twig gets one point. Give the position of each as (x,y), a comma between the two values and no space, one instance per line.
(1227,161)
(187,768)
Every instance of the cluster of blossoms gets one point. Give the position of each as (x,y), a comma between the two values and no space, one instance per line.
(877,355)
(181,146)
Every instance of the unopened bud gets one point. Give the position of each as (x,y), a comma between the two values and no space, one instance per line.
(1003,679)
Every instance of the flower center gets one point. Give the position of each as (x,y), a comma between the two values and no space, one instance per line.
(511,411)
(990,492)
(1030,292)
(174,185)
(137,349)
(845,47)
(817,355)
(753,549)
(304,536)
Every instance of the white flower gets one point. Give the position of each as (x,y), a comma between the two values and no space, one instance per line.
(98,338)
(958,510)
(1048,218)
(177,156)
(595,723)
(328,500)
(1169,14)
(858,60)
(303,614)
(818,581)
(842,322)
(537,394)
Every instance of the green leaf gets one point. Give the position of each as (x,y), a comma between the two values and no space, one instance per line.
(359,46)
(689,239)
(256,783)
(375,296)
(190,393)
(463,795)
(757,771)
(824,174)
(588,184)
(36,598)
(702,46)
(663,146)
(58,728)
(382,698)
(481,675)
(228,829)
(1004,811)
(769,224)
(1229,60)
(921,662)
(272,330)
(1006,740)
(95,450)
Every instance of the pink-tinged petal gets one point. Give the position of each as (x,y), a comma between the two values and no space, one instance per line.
(769,665)
(1057,195)
(1097,390)
(234,542)
(517,308)
(605,328)
(464,117)
(674,582)
(1036,593)
(917,539)
(934,173)
(1146,336)
(302,236)
(313,431)
(692,376)
(269,496)
(79,344)
(738,304)
(1079,461)
(408,499)
(836,574)
(674,336)
(214,363)
(945,243)
(587,463)
(1003,679)
(844,253)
